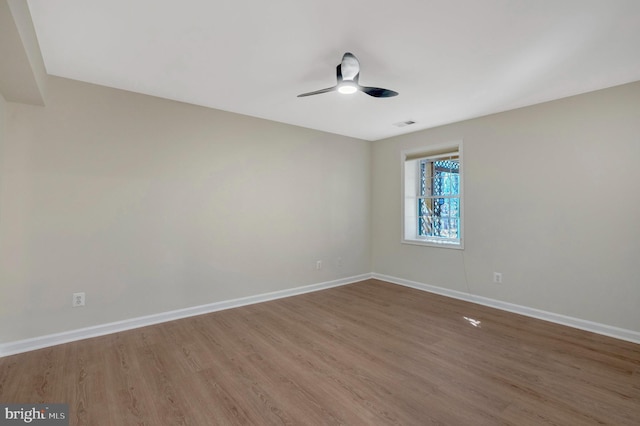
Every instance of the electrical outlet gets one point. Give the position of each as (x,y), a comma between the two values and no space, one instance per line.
(318,265)
(497,277)
(78,300)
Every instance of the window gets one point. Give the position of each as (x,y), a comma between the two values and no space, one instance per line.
(433,196)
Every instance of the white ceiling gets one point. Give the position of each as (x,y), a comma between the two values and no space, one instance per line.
(450,60)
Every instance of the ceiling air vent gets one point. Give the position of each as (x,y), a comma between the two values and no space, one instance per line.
(404,123)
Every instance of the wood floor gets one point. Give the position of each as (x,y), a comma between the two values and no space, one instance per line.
(370,353)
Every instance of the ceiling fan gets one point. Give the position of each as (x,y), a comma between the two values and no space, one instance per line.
(347,73)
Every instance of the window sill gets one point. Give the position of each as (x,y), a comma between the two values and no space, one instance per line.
(433,243)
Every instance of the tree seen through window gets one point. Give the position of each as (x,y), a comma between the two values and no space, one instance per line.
(439,199)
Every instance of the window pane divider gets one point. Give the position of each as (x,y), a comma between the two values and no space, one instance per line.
(431,197)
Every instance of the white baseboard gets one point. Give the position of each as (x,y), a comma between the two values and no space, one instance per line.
(607,330)
(40,342)
(11,348)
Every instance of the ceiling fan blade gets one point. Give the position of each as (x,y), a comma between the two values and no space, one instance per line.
(317,92)
(377,92)
(350,67)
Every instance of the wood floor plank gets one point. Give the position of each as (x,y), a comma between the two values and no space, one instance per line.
(370,353)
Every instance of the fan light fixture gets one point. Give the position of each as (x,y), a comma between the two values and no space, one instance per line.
(347,74)
(347,88)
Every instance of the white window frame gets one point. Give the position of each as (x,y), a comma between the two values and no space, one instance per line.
(409,193)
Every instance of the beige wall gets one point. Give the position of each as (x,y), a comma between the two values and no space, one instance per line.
(150,205)
(22,72)
(3,126)
(552,201)
(3,121)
